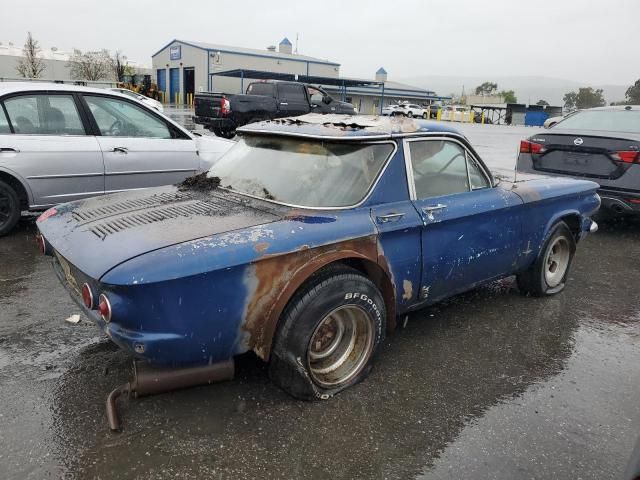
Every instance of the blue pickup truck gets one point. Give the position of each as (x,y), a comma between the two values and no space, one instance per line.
(306,242)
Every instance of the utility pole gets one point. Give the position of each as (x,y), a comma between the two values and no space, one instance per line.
(296,52)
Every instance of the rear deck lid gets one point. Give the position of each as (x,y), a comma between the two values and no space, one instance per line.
(597,155)
(100,233)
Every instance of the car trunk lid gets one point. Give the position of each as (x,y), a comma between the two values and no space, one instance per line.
(100,233)
(597,156)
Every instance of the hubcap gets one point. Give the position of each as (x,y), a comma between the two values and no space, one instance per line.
(557,261)
(340,345)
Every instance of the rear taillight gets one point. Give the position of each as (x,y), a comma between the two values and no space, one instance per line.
(42,246)
(625,156)
(104,307)
(87,296)
(530,147)
(225,107)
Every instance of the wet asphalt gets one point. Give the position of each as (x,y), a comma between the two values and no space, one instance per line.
(489,384)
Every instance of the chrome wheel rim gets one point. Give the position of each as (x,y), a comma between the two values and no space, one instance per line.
(340,346)
(556,261)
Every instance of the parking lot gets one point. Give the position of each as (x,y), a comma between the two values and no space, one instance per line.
(489,384)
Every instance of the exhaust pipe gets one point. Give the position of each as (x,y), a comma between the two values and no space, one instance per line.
(148,380)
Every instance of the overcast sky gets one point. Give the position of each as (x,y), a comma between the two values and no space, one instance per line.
(594,42)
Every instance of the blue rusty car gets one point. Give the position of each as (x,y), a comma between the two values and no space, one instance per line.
(307,241)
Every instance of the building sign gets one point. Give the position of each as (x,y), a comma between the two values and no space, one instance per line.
(175,52)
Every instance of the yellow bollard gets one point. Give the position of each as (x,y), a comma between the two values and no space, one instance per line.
(482,118)
(429,112)
(472,115)
(439,115)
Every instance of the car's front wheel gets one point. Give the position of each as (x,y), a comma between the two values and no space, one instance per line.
(548,274)
(9,208)
(328,335)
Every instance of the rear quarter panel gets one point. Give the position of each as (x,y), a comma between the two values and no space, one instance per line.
(548,200)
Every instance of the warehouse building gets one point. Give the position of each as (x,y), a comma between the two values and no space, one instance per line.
(185,67)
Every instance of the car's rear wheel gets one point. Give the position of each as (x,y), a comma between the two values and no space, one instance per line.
(9,208)
(425,115)
(328,335)
(410,114)
(548,274)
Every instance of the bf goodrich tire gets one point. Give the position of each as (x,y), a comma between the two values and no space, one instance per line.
(329,335)
(9,208)
(548,274)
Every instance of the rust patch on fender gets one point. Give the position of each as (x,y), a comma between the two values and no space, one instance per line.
(277,278)
(261,247)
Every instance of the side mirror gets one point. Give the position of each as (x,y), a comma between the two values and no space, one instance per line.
(316,99)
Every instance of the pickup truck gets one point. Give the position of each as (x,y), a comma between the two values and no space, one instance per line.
(222,113)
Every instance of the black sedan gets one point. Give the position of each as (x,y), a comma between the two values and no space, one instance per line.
(601,144)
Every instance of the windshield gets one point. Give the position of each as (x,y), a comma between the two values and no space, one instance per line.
(612,120)
(301,172)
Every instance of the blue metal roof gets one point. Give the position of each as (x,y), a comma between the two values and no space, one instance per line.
(285,41)
(382,70)
(345,127)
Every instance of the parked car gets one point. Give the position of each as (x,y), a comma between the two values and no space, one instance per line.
(149,102)
(222,113)
(62,142)
(456,113)
(389,110)
(601,144)
(306,241)
(406,110)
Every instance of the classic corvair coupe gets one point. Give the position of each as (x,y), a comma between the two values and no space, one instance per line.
(307,241)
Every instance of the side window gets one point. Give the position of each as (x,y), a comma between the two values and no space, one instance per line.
(44,115)
(476,177)
(23,113)
(119,118)
(292,93)
(4,123)
(439,168)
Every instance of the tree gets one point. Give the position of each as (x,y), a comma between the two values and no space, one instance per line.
(30,65)
(586,97)
(487,88)
(90,66)
(633,93)
(569,100)
(509,96)
(119,66)
(542,102)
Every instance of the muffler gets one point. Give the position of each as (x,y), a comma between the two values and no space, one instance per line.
(148,380)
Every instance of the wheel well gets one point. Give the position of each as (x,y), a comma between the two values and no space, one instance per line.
(573,222)
(18,187)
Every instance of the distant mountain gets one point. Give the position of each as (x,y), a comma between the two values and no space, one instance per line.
(528,89)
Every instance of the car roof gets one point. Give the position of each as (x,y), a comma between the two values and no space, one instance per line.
(347,127)
(10,87)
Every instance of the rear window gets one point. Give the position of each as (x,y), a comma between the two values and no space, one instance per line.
(266,89)
(611,120)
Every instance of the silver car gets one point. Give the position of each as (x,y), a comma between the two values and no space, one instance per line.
(60,143)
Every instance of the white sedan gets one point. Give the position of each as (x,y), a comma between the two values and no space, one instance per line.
(63,142)
(149,102)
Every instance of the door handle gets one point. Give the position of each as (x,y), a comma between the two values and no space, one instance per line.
(8,150)
(120,149)
(428,210)
(390,217)
(284,103)
(432,208)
